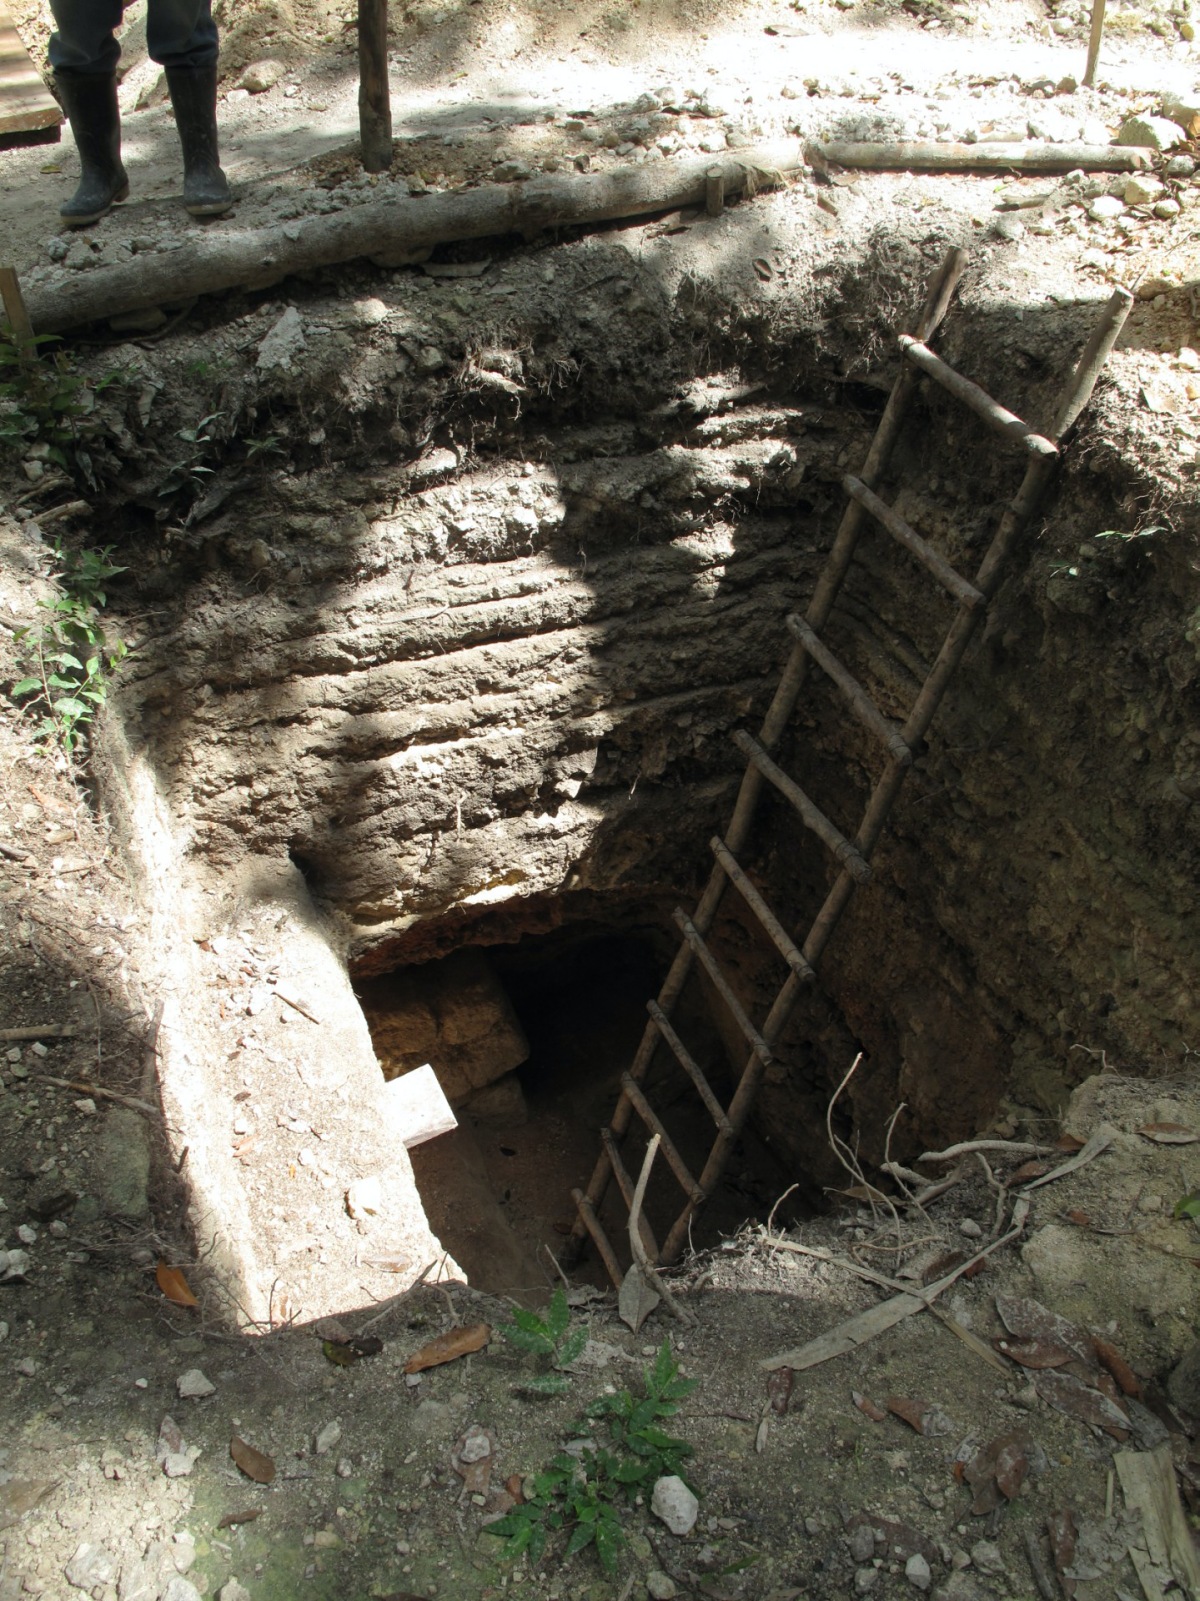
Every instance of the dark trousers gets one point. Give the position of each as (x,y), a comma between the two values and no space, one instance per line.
(179,33)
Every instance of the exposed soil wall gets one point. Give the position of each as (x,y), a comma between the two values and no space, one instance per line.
(525,569)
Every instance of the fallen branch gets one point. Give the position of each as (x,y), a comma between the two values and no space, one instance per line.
(972,1341)
(85,1088)
(40,1031)
(396,233)
(856,1331)
(297,1006)
(982,157)
(14,853)
(1003,1147)
(650,1273)
(1098,1142)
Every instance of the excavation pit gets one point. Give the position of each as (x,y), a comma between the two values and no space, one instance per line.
(571,1005)
(517,567)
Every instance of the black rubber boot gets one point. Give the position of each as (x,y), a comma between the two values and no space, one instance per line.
(90,101)
(194,98)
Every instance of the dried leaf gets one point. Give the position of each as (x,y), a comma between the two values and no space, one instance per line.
(1169,1134)
(254,1464)
(636,1298)
(779,1389)
(392,1262)
(515,1486)
(1116,1364)
(1029,1170)
(920,1415)
(867,1407)
(448,1347)
(1036,1353)
(1069,1142)
(997,1471)
(902,1538)
(1033,1323)
(340,1355)
(1078,1400)
(174,1286)
(232,1519)
(1012,1468)
(941,1265)
(1081,1220)
(1060,1526)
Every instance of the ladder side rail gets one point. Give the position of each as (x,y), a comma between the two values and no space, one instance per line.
(1021,509)
(937,303)
(737,1112)
(598,1237)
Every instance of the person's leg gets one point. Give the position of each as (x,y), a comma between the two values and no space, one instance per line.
(181,33)
(83,38)
(182,36)
(84,54)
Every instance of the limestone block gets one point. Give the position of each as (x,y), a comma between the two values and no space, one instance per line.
(452,1014)
(417,1106)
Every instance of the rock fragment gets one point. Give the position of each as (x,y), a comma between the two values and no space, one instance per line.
(674,1504)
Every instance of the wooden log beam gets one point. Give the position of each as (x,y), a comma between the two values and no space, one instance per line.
(982,157)
(374,92)
(395,232)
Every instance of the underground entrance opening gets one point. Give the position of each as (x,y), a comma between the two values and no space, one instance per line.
(529,1041)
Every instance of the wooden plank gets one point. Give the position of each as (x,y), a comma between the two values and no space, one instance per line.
(26,105)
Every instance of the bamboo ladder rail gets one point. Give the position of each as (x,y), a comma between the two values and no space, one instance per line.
(899,742)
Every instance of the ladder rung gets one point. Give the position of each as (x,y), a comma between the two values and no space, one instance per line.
(599,1238)
(779,935)
(963,591)
(811,815)
(863,706)
(626,1186)
(978,400)
(721,984)
(690,1066)
(652,1121)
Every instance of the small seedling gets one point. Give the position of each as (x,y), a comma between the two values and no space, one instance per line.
(1189,1206)
(547,1337)
(633,1423)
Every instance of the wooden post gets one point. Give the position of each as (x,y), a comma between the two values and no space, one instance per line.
(1093,55)
(18,317)
(374,96)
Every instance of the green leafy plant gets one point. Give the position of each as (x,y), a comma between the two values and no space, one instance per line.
(69,657)
(551,1337)
(632,1422)
(582,1491)
(186,476)
(1189,1206)
(576,1493)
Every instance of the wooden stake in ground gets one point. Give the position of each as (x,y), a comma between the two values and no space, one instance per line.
(374,93)
(1093,55)
(18,317)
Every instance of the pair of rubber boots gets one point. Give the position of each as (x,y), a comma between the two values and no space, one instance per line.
(90,101)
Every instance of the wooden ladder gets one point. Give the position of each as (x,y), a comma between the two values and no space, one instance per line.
(898,742)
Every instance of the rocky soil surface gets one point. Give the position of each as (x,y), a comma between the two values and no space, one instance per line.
(512,533)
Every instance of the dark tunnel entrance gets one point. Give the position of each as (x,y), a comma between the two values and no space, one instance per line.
(529,1041)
